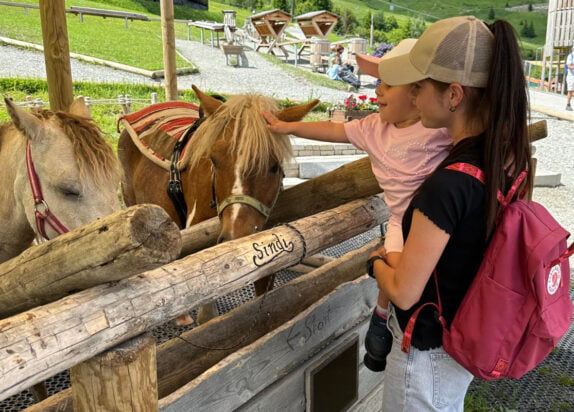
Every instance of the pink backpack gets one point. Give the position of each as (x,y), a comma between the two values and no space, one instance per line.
(518,306)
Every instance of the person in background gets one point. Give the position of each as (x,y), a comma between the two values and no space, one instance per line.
(468,78)
(402,153)
(342,71)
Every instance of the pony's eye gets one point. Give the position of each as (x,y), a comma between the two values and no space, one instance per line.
(213,162)
(274,168)
(69,192)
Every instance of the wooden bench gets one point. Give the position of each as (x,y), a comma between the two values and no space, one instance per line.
(90,11)
(232,50)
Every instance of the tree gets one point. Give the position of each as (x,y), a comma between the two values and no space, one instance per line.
(281,5)
(491,15)
(322,4)
(347,22)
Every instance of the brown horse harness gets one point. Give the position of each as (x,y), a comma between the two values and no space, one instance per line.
(42,212)
(175,187)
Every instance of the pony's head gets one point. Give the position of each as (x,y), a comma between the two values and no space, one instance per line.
(246,159)
(77,171)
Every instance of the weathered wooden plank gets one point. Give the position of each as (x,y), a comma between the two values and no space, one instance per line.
(250,370)
(60,402)
(123,244)
(121,379)
(288,394)
(54,337)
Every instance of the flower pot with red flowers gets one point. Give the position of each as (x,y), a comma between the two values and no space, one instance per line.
(353,108)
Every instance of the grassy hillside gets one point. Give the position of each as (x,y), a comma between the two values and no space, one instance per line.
(143,39)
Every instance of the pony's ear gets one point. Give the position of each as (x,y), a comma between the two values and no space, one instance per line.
(79,108)
(296,113)
(208,104)
(28,124)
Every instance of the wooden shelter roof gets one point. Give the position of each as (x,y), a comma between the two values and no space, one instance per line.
(275,13)
(317,23)
(311,14)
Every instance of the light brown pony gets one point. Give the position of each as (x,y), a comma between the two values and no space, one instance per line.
(77,173)
(232,161)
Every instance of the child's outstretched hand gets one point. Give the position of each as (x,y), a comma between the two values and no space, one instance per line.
(275,125)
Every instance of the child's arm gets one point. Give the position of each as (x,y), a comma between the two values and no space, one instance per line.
(323,131)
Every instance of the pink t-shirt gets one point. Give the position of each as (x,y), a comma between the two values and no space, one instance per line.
(401,160)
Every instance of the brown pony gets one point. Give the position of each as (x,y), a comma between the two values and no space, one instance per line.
(76,173)
(231,168)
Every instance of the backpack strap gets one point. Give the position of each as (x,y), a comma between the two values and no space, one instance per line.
(477,173)
(408,332)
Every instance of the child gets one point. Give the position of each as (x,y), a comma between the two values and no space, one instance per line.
(402,153)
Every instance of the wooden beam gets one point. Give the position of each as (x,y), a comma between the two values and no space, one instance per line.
(168,36)
(115,247)
(121,379)
(56,53)
(49,339)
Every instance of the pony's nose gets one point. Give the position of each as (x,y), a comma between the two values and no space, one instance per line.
(221,239)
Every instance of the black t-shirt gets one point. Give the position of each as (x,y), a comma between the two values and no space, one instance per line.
(455,202)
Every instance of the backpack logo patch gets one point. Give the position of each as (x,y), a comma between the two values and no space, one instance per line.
(554,278)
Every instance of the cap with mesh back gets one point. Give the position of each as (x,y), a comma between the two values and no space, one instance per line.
(453,50)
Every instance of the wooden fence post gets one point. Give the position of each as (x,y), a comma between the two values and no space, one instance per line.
(56,53)
(168,37)
(123,378)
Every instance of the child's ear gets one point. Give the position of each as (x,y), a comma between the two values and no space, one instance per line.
(296,113)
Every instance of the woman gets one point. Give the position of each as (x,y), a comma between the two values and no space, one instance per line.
(469,79)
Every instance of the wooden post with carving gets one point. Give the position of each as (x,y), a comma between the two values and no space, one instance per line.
(56,53)
(123,378)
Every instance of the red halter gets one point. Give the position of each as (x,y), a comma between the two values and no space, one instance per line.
(41,209)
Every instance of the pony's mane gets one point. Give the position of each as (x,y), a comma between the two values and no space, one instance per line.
(241,121)
(94,155)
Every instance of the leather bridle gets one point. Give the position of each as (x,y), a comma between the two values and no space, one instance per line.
(243,199)
(42,212)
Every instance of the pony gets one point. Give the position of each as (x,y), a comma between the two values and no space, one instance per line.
(232,167)
(58,173)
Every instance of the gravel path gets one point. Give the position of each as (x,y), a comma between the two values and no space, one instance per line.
(555,153)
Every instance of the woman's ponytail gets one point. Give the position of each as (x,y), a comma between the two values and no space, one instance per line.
(507,149)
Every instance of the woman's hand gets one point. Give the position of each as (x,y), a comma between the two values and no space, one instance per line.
(380,251)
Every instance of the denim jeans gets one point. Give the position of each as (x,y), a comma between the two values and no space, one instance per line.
(429,380)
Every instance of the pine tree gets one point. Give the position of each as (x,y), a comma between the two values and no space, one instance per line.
(491,14)
(281,5)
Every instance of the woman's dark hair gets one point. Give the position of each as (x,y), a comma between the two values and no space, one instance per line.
(507,148)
